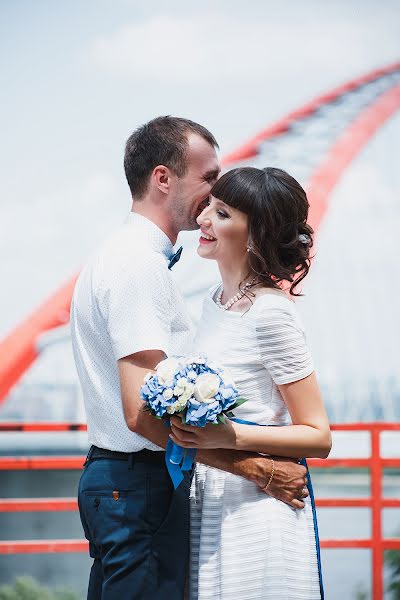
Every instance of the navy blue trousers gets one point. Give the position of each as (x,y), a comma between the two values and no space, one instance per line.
(138,530)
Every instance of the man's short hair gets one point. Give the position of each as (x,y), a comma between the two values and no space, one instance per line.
(161,141)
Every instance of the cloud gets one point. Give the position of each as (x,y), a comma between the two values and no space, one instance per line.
(186,49)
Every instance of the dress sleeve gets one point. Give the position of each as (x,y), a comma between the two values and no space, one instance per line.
(136,308)
(281,342)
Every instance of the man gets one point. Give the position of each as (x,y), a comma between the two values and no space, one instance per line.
(127,315)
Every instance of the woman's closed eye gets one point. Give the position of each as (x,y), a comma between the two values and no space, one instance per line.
(222,214)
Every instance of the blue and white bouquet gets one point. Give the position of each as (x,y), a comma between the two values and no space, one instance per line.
(198,391)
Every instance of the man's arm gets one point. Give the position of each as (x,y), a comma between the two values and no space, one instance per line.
(289,478)
(288,481)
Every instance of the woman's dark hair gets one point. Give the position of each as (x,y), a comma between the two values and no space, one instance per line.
(280,238)
(162,141)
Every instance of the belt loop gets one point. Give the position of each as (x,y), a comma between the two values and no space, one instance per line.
(89,456)
(131,460)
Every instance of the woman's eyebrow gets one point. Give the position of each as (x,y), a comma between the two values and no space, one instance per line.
(221,202)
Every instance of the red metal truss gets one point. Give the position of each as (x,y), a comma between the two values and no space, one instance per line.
(321,184)
(250,148)
(19,349)
(375,502)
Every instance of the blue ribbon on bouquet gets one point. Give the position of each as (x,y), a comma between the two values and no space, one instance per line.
(312,500)
(178,459)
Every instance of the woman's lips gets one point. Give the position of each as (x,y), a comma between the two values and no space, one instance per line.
(205,238)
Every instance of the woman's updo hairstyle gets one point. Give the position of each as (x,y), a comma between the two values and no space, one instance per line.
(277,207)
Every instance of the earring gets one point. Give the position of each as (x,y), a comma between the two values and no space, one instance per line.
(248,248)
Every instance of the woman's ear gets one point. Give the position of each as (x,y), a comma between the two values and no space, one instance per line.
(162,178)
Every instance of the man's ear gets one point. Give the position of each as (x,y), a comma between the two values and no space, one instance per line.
(162,178)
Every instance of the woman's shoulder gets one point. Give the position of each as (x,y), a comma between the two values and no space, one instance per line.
(275,306)
(272,298)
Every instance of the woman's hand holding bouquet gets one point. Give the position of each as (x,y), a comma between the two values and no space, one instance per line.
(202,395)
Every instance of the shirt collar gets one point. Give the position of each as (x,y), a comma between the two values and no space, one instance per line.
(158,240)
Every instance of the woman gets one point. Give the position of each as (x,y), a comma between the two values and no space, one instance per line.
(246,544)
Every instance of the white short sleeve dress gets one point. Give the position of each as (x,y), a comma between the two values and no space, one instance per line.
(246,545)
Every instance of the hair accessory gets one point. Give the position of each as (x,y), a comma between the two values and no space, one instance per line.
(304,238)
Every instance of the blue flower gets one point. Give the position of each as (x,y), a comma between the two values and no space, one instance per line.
(163,390)
(199,414)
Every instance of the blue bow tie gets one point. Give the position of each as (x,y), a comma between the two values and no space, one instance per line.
(174,258)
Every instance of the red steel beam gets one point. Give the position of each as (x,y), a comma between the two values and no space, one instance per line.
(41,426)
(20,463)
(67,426)
(250,148)
(345,150)
(391,544)
(376,495)
(326,463)
(370,426)
(357,463)
(42,546)
(387,544)
(50,546)
(38,504)
(57,546)
(355,502)
(71,504)
(38,463)
(350,543)
(18,350)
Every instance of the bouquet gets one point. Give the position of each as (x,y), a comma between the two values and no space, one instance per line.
(198,391)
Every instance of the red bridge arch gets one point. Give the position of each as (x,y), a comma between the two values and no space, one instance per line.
(19,349)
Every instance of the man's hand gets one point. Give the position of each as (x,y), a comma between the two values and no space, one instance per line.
(289,482)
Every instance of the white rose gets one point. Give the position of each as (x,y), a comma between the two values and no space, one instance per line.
(207,385)
(167,394)
(166,369)
(176,407)
(186,394)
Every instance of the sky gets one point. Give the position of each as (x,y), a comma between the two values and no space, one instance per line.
(78,77)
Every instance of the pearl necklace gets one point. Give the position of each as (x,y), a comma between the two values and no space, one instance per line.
(236,297)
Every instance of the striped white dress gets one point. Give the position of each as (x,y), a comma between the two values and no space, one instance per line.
(246,545)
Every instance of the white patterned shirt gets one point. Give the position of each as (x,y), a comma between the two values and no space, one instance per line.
(125,301)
